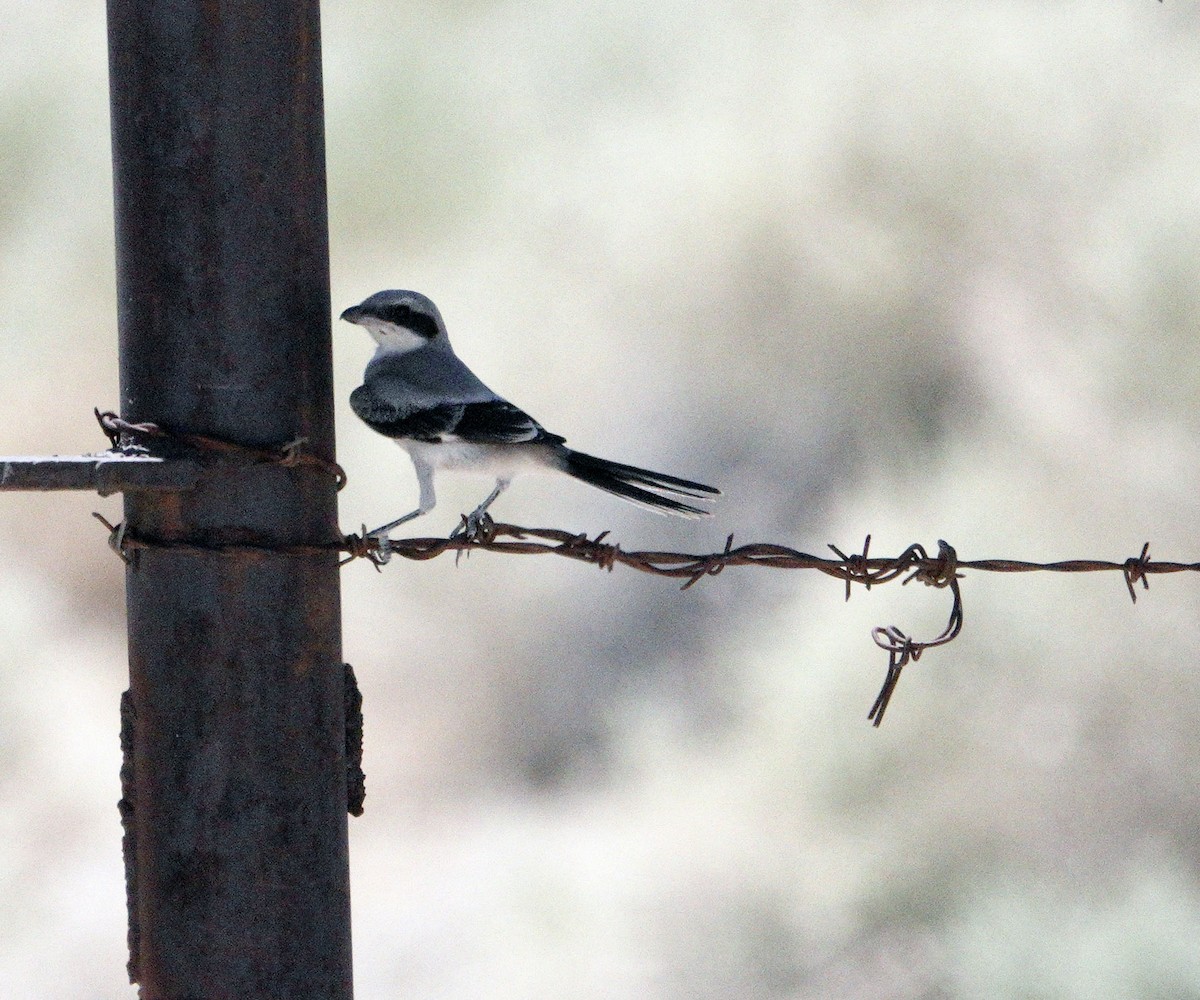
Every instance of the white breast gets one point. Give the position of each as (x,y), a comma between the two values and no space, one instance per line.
(500,460)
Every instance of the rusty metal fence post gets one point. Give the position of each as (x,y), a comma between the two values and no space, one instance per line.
(235,802)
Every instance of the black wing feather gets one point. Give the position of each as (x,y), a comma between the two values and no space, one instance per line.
(422,425)
(501,423)
(491,422)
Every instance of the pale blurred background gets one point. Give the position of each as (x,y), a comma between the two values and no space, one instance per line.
(921,270)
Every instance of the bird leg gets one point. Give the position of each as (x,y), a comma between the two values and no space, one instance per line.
(470,526)
(425,503)
(382,532)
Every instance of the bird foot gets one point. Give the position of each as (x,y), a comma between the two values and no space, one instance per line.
(382,550)
(473,526)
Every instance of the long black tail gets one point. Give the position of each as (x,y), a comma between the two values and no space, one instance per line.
(640,486)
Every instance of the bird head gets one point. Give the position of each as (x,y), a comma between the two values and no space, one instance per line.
(398,320)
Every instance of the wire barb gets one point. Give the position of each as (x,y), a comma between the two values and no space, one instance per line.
(116,538)
(857,568)
(364,546)
(711,565)
(1136,569)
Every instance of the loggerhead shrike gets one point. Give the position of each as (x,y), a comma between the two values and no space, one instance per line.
(417,392)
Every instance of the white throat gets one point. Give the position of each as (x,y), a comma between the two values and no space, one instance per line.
(393,339)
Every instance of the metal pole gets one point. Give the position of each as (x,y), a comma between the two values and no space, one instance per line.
(236,768)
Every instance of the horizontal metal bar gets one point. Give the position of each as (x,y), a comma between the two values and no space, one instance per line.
(104,473)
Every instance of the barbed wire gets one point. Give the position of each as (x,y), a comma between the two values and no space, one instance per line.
(124,435)
(942,571)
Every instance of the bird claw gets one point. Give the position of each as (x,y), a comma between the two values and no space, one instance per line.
(472,525)
(382,551)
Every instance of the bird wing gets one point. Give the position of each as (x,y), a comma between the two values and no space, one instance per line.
(499,421)
(493,421)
